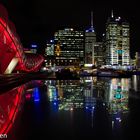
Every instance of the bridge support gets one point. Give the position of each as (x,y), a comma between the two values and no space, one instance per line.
(11,66)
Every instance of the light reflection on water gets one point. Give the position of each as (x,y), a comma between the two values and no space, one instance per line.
(85,107)
(88,93)
(84,93)
(11,102)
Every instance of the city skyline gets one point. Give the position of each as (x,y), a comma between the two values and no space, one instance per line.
(36,22)
(66,72)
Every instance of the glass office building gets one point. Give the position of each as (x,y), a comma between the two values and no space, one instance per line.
(117,42)
(69,47)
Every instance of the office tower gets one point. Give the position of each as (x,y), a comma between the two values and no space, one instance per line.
(49,53)
(90,40)
(34,48)
(69,47)
(98,54)
(117,42)
(137,60)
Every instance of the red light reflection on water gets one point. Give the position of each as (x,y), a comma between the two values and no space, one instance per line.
(9,103)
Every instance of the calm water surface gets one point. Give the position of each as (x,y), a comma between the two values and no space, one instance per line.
(97,108)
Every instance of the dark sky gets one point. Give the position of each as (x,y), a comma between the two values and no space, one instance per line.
(37,20)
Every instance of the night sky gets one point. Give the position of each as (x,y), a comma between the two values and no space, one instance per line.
(37,20)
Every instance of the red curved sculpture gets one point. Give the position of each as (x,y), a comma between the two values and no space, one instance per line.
(11,49)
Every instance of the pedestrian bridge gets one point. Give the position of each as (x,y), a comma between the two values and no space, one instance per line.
(12,56)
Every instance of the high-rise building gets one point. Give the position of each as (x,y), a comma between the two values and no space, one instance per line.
(90,41)
(34,48)
(117,42)
(98,54)
(137,59)
(49,53)
(69,47)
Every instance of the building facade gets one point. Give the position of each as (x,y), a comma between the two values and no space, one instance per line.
(49,53)
(90,41)
(98,54)
(69,47)
(137,60)
(117,42)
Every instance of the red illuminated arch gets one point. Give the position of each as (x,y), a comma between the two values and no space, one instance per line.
(11,47)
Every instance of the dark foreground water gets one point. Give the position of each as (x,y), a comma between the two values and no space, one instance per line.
(97,108)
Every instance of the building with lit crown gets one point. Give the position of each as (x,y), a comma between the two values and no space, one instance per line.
(49,53)
(117,42)
(90,41)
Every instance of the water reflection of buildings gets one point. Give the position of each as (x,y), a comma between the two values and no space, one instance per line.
(72,94)
(84,93)
(91,95)
(135,85)
(117,95)
(67,93)
(90,100)
(52,93)
(87,93)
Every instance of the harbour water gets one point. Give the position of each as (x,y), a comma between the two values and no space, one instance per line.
(99,108)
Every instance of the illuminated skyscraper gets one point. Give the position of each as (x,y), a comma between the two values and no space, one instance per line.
(49,50)
(90,41)
(137,57)
(49,53)
(117,42)
(69,47)
(33,48)
(98,54)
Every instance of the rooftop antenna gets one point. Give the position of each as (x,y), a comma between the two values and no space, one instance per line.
(112,14)
(92,19)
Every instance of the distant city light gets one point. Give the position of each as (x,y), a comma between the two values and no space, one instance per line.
(34,46)
(51,41)
(54,103)
(88,65)
(28,96)
(90,30)
(88,80)
(36,95)
(71,109)
(118,118)
(118,19)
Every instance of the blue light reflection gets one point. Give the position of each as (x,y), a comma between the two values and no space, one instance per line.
(36,95)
